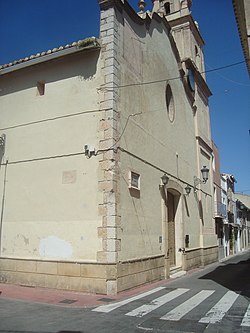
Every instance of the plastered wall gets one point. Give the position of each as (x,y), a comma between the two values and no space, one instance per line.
(152,141)
(50,198)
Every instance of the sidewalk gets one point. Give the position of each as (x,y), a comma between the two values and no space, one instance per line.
(69,298)
(79,299)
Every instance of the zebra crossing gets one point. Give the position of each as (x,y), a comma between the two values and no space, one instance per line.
(214,315)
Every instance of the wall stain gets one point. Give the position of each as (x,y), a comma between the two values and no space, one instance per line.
(25,239)
(55,247)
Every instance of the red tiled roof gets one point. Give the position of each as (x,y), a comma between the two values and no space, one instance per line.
(83,43)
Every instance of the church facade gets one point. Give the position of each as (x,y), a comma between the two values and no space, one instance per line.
(105,156)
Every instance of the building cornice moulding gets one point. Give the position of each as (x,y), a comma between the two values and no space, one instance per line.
(188,20)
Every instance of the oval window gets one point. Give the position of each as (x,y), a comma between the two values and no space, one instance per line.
(170,103)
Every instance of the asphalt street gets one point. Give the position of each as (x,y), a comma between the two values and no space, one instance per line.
(214,299)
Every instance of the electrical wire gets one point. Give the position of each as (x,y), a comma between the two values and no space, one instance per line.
(223,67)
(106,88)
(42,158)
(175,78)
(110,148)
(52,119)
(230,80)
(159,169)
(103,150)
(156,139)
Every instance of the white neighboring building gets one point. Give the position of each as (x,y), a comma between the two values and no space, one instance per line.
(243,219)
(225,220)
(233,240)
(236,225)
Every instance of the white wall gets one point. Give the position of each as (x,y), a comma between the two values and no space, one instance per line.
(51,208)
(157,143)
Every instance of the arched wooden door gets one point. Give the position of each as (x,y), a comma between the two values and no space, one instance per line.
(171,229)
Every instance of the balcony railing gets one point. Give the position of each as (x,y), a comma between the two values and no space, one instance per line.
(220,209)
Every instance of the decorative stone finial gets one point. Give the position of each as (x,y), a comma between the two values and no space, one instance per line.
(156,6)
(142,5)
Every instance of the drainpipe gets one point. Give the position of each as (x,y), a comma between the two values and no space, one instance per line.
(3,202)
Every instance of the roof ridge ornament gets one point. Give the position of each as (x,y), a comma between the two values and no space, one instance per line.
(141,5)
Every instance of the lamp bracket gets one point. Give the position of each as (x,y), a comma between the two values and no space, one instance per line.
(197,181)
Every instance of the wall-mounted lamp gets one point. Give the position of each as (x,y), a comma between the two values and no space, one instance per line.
(89,151)
(197,181)
(164,181)
(188,190)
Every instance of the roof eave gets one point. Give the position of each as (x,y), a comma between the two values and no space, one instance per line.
(240,16)
(48,57)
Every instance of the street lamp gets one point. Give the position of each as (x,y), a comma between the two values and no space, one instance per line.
(197,181)
(164,181)
(188,190)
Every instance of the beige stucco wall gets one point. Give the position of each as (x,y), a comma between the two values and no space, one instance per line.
(50,209)
(161,145)
(61,208)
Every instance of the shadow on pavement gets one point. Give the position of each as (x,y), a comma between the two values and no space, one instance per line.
(233,276)
(6,331)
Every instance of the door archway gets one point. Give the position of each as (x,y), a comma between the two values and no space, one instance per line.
(173,226)
(171,229)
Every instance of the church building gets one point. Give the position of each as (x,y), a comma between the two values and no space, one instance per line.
(106,155)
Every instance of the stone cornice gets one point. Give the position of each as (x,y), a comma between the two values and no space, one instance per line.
(188,19)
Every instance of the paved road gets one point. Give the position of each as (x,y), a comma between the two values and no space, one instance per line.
(213,300)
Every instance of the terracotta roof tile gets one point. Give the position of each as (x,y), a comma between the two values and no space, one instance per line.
(83,43)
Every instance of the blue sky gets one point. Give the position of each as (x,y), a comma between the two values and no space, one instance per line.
(31,26)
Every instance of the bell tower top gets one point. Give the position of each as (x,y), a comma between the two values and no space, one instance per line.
(172,7)
(183,28)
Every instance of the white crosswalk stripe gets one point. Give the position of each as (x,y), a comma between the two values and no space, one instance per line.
(181,310)
(113,306)
(156,303)
(246,319)
(219,310)
(213,316)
